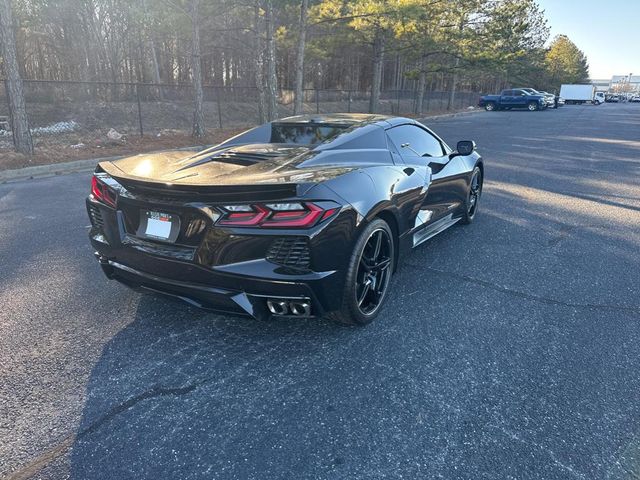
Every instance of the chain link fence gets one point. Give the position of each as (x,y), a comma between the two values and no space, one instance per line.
(76,114)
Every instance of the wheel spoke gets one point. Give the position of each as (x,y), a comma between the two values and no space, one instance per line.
(382,265)
(364,262)
(378,244)
(365,289)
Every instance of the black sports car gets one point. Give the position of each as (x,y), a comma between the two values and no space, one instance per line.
(302,217)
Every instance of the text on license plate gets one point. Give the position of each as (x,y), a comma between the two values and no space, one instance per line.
(158,225)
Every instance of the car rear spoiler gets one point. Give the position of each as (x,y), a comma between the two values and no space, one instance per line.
(235,192)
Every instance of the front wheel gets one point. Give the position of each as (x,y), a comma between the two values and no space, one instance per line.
(490,106)
(368,275)
(533,106)
(473,196)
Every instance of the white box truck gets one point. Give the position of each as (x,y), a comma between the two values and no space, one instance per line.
(576,94)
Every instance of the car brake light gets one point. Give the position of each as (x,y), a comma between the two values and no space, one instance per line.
(240,217)
(295,218)
(276,215)
(102,192)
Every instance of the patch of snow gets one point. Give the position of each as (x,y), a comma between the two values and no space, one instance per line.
(114,135)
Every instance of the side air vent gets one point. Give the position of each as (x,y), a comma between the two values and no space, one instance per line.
(96,217)
(290,252)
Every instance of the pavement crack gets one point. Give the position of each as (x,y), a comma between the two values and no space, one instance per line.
(153,392)
(528,296)
(548,451)
(48,456)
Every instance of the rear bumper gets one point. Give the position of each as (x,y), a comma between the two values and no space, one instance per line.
(241,289)
(232,293)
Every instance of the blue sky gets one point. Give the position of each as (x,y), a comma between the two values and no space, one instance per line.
(608,33)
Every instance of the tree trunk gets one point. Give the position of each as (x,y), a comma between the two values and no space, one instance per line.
(22,140)
(272,79)
(196,72)
(454,82)
(422,83)
(155,68)
(259,67)
(376,81)
(302,38)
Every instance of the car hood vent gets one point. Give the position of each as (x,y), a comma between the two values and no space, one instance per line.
(243,158)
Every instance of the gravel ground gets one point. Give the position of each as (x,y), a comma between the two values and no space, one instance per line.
(509,349)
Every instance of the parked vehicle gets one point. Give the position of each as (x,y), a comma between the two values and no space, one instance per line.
(556,100)
(579,94)
(635,99)
(549,98)
(517,98)
(300,217)
(612,98)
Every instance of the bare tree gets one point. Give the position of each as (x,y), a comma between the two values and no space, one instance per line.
(272,79)
(155,68)
(302,40)
(22,140)
(259,64)
(422,83)
(196,71)
(378,62)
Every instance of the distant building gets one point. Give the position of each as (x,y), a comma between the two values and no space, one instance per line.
(602,85)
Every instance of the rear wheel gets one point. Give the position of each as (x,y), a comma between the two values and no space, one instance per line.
(368,275)
(490,106)
(533,106)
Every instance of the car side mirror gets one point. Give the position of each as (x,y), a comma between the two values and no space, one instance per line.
(466,147)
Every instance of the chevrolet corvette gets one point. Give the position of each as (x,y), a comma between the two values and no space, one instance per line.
(302,217)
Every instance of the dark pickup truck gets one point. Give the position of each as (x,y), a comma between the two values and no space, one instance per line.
(509,99)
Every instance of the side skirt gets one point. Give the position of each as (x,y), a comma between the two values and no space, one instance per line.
(434,229)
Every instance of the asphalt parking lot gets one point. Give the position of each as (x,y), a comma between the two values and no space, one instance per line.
(509,349)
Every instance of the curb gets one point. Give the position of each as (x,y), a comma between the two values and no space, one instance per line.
(451,115)
(39,171)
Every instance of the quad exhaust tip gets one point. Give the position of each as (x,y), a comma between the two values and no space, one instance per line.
(299,307)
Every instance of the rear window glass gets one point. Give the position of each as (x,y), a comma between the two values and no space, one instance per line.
(304,134)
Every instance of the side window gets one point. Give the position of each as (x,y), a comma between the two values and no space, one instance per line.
(418,142)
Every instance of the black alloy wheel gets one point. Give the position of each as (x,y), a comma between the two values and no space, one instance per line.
(473,198)
(368,275)
(374,271)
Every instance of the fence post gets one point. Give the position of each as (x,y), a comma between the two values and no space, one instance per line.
(398,101)
(219,107)
(139,110)
(317,101)
(350,100)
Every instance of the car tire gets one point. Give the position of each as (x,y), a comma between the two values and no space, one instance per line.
(367,285)
(533,106)
(490,106)
(473,196)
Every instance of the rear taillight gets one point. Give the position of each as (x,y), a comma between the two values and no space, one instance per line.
(276,215)
(102,192)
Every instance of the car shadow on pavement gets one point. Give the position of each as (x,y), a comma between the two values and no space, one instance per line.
(182,393)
